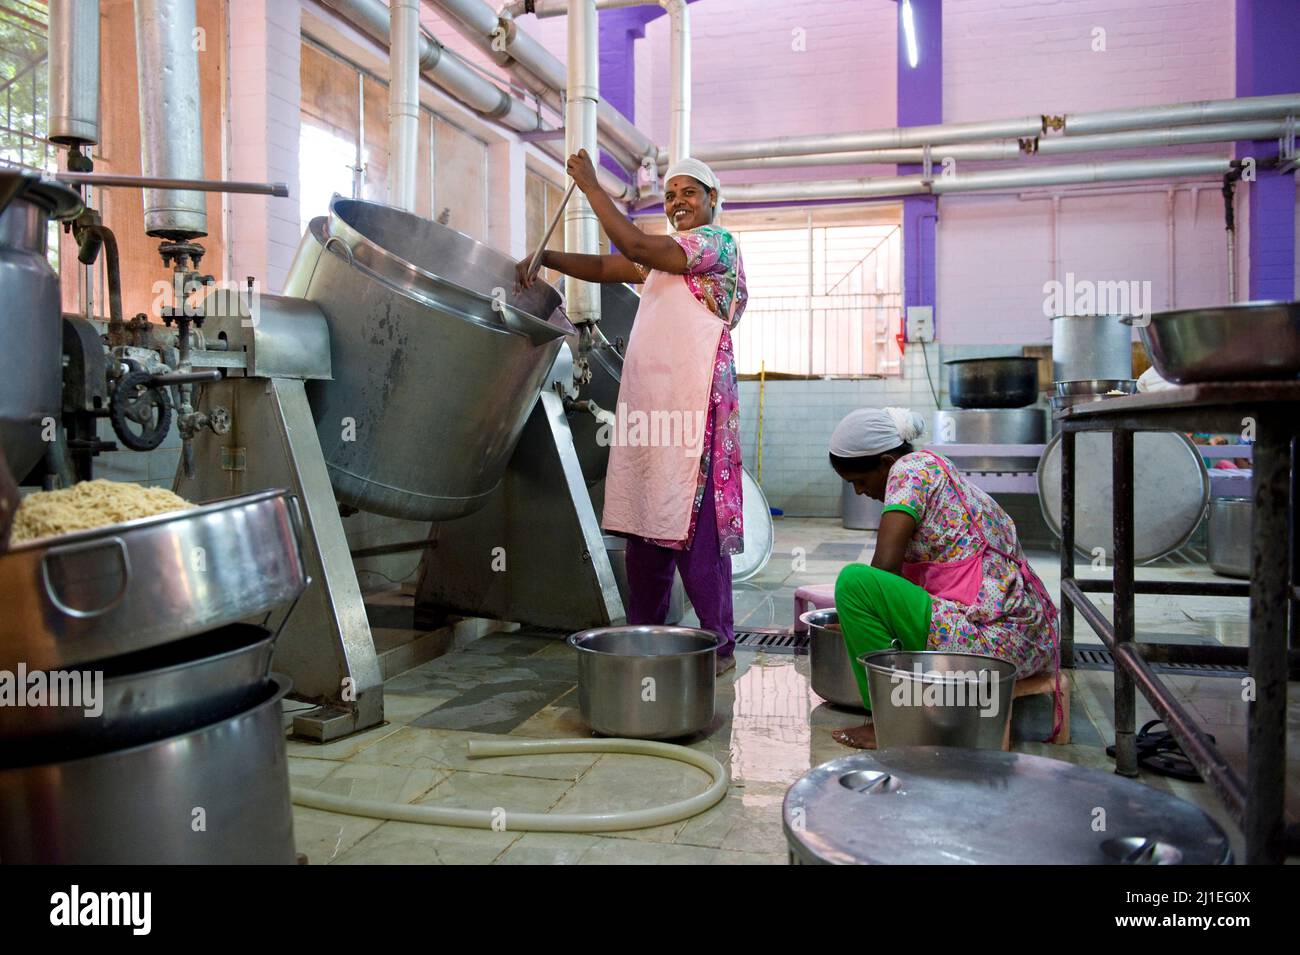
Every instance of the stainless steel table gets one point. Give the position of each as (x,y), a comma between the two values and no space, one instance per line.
(1270,411)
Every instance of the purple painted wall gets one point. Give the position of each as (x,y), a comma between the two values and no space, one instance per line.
(920,102)
(1268,36)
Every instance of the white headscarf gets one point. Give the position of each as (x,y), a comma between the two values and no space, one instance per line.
(696,170)
(871,431)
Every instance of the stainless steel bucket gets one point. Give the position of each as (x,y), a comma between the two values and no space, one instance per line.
(646,682)
(95,594)
(930,698)
(437,362)
(832,671)
(149,695)
(1229,532)
(858,512)
(143,804)
(31,386)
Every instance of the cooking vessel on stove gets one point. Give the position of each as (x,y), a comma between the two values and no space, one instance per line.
(992,382)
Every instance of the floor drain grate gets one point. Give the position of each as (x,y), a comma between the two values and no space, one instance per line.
(772,641)
(1091,658)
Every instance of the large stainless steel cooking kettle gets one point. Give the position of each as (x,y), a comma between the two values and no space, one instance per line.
(437,360)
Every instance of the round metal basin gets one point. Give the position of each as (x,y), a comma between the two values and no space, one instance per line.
(930,698)
(85,597)
(138,803)
(437,361)
(1243,342)
(832,671)
(646,682)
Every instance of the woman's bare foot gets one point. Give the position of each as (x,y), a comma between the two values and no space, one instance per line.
(859,737)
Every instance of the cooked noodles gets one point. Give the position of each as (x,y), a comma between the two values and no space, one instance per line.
(88,505)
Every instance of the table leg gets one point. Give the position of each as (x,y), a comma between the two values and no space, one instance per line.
(1269,611)
(1125,688)
(1067,545)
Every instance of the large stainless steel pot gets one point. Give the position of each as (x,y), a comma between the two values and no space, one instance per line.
(646,682)
(832,672)
(973,694)
(1242,342)
(1171,490)
(989,426)
(142,803)
(437,360)
(32,383)
(858,512)
(88,596)
(150,694)
(992,382)
(926,805)
(1230,530)
(1091,346)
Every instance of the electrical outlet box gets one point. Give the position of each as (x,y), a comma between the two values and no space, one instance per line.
(920,323)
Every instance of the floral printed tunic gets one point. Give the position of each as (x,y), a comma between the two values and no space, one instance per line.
(1008,620)
(715,273)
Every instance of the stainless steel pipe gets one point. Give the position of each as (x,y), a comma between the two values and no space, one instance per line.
(110,180)
(73,109)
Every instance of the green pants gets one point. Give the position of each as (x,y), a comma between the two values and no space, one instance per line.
(876,607)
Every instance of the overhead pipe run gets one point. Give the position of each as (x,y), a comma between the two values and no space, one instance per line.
(1181,114)
(403,102)
(534,66)
(581,228)
(1015,178)
(679,129)
(171,130)
(459,80)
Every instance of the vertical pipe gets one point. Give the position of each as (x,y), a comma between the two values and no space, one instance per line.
(403,102)
(581,228)
(171,127)
(1269,601)
(73,107)
(679,141)
(1125,688)
(1066,628)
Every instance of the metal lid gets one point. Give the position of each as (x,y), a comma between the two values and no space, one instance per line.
(1171,490)
(759,532)
(927,805)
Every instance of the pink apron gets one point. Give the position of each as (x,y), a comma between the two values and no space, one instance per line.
(663,406)
(960,581)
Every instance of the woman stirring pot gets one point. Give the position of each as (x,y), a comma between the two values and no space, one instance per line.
(673,486)
(948,572)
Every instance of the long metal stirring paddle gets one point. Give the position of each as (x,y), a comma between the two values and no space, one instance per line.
(535,264)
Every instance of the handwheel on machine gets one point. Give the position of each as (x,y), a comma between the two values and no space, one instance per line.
(141,412)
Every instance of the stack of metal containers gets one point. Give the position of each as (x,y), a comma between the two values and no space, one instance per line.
(140,721)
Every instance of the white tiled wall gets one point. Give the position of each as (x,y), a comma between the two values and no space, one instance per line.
(799,416)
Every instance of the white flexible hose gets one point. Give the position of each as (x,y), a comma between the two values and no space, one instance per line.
(540,821)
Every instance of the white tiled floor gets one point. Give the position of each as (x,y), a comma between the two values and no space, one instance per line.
(772,729)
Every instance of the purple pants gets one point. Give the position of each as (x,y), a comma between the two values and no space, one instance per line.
(705,571)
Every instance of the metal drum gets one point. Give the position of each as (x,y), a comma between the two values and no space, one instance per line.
(926,805)
(91,595)
(990,426)
(646,682)
(31,386)
(1091,346)
(1229,535)
(437,361)
(1170,492)
(828,658)
(138,803)
(858,512)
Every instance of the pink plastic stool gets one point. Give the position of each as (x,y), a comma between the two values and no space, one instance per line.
(812,597)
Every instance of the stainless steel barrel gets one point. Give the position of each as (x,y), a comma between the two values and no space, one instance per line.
(437,360)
